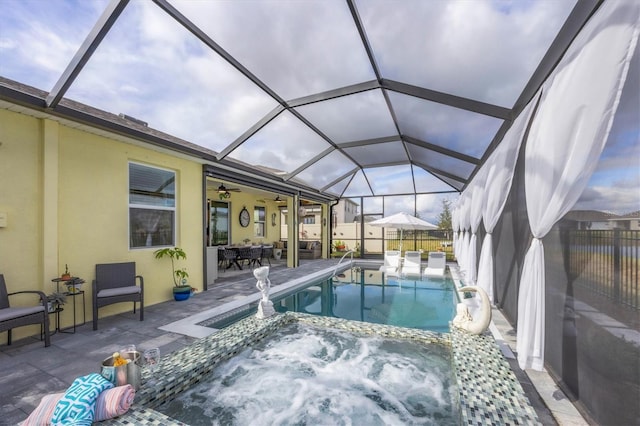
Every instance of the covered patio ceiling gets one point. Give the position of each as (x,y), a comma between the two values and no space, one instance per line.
(343,98)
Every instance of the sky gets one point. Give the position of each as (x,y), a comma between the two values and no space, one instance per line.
(151,68)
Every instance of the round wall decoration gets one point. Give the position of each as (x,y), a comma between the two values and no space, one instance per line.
(244,217)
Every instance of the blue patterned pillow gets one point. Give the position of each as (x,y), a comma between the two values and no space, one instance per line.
(78,405)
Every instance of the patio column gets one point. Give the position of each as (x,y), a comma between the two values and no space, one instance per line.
(50,193)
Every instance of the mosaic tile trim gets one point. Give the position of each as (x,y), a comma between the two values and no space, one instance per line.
(229,314)
(489,392)
(143,416)
(389,331)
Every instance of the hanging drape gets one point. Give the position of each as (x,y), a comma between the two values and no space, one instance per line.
(465,206)
(499,175)
(455,224)
(475,217)
(567,136)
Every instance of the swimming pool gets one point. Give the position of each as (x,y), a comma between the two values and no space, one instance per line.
(366,295)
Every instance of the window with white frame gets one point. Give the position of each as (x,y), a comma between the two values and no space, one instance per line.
(152,206)
(309,220)
(259,217)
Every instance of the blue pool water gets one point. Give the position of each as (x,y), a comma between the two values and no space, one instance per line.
(367,295)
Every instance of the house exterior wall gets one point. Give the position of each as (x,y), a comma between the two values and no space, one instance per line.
(67,203)
(21,188)
(237,201)
(346,211)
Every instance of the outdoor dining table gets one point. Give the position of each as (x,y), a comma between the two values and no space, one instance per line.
(242,253)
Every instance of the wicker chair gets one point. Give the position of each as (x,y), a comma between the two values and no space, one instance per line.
(244,253)
(231,259)
(255,256)
(12,317)
(267,252)
(115,283)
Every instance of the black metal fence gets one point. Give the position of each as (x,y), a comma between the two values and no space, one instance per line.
(434,240)
(606,261)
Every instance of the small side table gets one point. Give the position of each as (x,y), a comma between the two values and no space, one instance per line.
(73,295)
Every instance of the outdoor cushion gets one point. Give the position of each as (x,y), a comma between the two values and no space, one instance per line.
(118,291)
(9,313)
(436,264)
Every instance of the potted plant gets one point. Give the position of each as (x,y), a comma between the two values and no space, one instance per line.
(74,285)
(181,290)
(66,275)
(339,245)
(54,300)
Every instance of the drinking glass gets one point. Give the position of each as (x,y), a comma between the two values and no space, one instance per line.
(128,348)
(152,359)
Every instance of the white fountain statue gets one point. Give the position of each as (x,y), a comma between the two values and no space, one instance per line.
(265,308)
(465,321)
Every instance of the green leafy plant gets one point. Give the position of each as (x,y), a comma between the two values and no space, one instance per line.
(57,298)
(175,253)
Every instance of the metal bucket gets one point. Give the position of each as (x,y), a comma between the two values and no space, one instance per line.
(129,373)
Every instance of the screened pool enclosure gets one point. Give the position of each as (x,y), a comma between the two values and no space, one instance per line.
(522,115)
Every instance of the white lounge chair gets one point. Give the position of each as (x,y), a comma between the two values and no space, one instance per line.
(436,264)
(411,265)
(391,263)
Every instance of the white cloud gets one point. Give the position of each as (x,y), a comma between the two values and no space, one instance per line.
(616,199)
(298,48)
(468,48)
(43,37)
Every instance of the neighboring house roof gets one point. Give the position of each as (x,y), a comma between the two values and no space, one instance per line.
(589,216)
(628,216)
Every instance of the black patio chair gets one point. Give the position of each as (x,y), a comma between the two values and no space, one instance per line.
(231,258)
(267,252)
(244,253)
(221,259)
(255,255)
(115,283)
(18,316)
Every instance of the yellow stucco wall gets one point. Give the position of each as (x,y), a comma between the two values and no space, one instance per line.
(21,200)
(239,200)
(90,175)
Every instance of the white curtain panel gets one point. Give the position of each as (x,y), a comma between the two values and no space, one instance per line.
(465,221)
(567,136)
(455,224)
(499,176)
(475,217)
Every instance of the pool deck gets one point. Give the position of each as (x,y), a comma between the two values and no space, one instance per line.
(29,371)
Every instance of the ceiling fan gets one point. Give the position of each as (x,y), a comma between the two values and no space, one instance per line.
(224,192)
(222,189)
